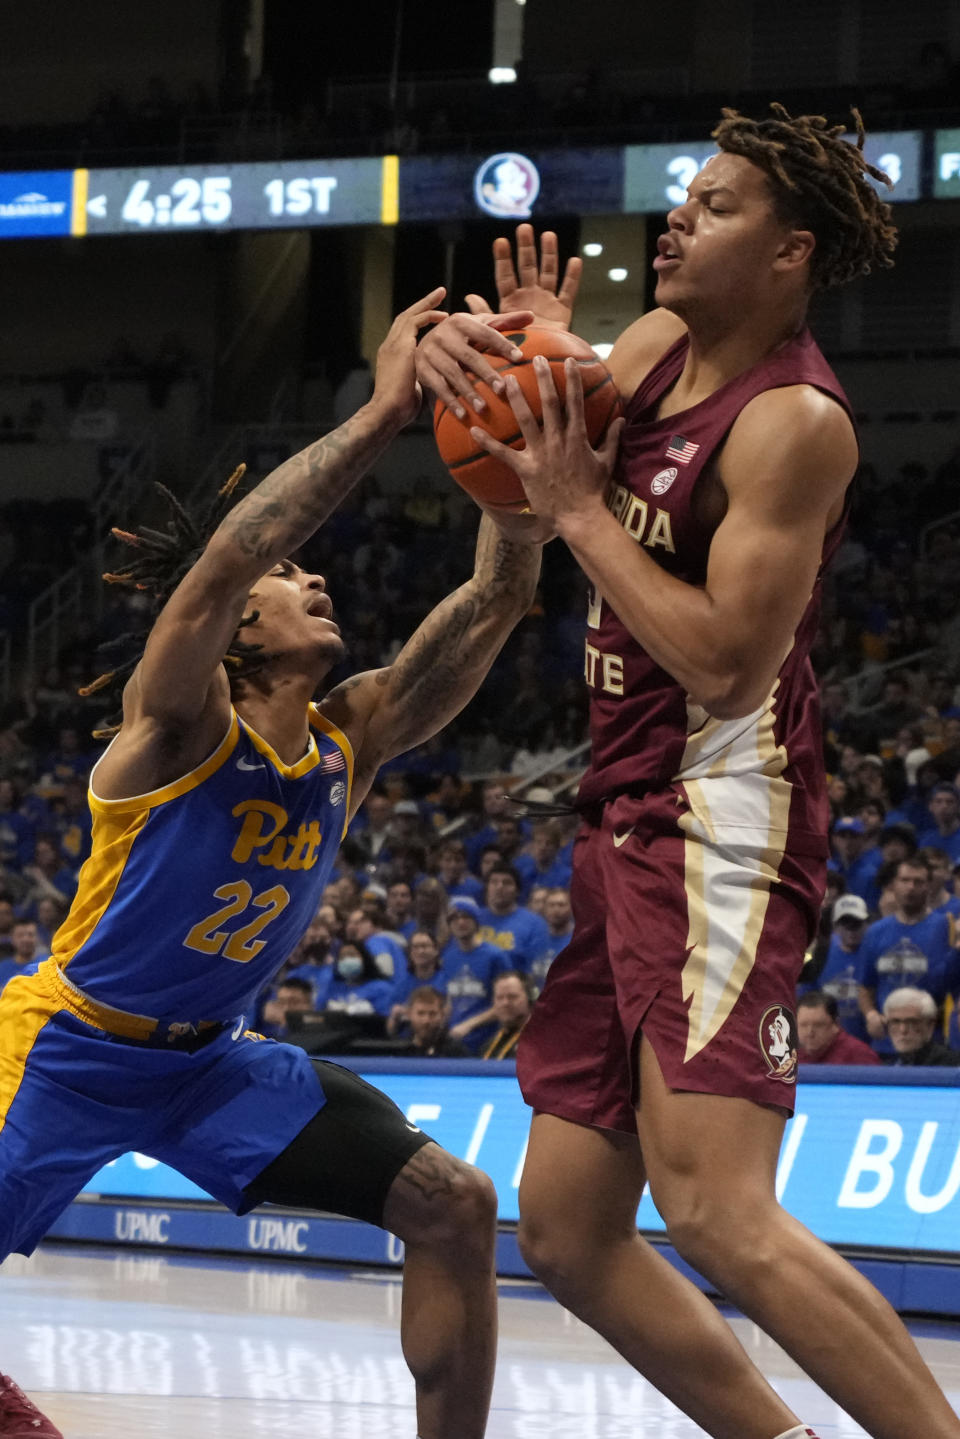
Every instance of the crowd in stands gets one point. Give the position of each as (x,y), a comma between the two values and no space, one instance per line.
(449,903)
(165,120)
(449,900)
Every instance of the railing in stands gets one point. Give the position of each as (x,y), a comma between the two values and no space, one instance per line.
(860,685)
(573,761)
(53,613)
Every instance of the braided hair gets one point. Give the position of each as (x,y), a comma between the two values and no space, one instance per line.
(818,183)
(164,556)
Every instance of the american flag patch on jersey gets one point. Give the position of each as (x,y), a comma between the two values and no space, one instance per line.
(681,449)
(331,763)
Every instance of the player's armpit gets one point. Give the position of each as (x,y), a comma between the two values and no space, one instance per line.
(387,712)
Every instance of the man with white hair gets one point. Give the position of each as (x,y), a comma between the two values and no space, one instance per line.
(910,1016)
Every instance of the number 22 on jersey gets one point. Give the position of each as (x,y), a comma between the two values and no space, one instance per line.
(242,944)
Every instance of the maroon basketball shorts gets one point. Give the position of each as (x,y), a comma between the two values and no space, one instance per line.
(689,932)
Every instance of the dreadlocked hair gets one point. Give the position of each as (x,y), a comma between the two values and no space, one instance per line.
(819,183)
(163,557)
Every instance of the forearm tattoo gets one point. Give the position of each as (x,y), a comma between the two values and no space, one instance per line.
(444,663)
(287,507)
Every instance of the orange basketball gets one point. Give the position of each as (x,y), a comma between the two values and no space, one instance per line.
(489,481)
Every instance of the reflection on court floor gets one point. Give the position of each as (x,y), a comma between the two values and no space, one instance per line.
(150,1345)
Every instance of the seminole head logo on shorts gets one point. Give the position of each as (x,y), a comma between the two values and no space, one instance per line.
(778,1042)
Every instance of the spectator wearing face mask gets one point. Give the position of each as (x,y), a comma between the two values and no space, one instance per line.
(358,989)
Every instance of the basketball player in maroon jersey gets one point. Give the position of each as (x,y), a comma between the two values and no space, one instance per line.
(663,1048)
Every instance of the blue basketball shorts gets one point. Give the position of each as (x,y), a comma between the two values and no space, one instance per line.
(73,1098)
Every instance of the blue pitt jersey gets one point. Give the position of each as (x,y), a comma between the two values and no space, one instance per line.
(194,894)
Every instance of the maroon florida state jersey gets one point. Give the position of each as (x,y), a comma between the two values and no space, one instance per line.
(762,771)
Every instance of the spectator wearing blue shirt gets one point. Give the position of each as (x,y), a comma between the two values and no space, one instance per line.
(453,873)
(47,875)
(293,996)
(944,804)
(559,920)
(26,953)
(430,901)
(400,917)
(540,863)
(909,947)
(941,897)
(840,974)
(859,868)
(424,966)
(366,924)
(16,831)
(470,966)
(506,924)
(495,808)
(70,758)
(358,989)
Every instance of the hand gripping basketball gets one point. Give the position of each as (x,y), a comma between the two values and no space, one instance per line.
(489,479)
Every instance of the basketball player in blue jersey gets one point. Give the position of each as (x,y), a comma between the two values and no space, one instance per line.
(218,810)
(663,1046)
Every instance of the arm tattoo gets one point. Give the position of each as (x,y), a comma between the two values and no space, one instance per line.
(444,664)
(286,507)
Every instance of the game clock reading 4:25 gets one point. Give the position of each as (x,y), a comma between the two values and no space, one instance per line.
(243,197)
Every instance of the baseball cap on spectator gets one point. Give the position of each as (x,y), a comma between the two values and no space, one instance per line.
(406,806)
(902,829)
(539,794)
(463,904)
(374,891)
(873,759)
(849,825)
(849,906)
(944,787)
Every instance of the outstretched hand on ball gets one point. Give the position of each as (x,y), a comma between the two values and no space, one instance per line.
(451,359)
(534,281)
(564,478)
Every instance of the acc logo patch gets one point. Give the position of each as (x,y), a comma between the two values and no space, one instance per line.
(338,792)
(662,482)
(777,1033)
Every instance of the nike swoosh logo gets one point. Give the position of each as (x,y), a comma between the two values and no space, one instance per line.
(619,839)
(413,1129)
(245,764)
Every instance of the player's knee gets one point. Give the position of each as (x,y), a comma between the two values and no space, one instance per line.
(553,1255)
(470,1218)
(709,1228)
(449,1204)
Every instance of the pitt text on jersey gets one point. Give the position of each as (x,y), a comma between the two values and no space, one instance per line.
(653,531)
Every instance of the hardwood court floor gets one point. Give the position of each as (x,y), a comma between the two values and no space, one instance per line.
(120,1344)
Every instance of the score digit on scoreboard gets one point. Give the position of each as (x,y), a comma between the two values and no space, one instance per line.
(657,176)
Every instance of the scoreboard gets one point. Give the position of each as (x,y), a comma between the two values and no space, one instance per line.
(509,185)
(656,176)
